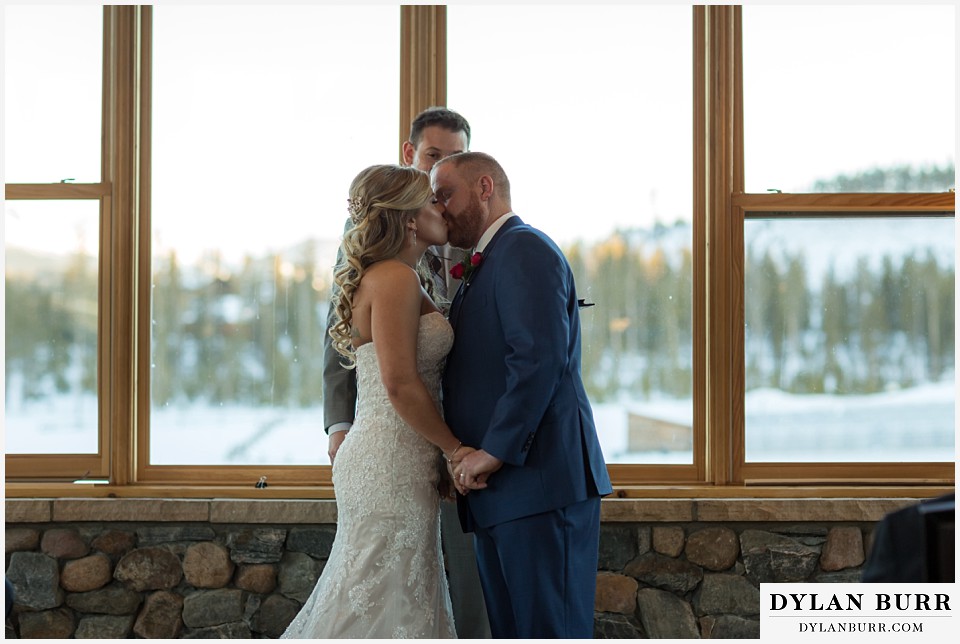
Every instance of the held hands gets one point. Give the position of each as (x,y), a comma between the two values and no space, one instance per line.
(454,463)
(473,470)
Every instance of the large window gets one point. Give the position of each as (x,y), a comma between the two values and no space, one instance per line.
(52,93)
(850,339)
(253,149)
(763,226)
(849,98)
(598,147)
(53,98)
(50,342)
(849,342)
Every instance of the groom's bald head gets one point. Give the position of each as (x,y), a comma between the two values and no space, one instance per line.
(473,165)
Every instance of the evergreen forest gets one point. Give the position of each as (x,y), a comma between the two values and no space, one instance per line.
(253,334)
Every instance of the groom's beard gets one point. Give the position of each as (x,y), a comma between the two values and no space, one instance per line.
(466,227)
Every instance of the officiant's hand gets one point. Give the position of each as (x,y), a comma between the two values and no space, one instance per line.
(475,468)
(334,443)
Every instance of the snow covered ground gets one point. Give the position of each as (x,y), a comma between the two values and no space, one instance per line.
(912,425)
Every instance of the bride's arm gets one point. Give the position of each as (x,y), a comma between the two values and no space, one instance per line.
(395,300)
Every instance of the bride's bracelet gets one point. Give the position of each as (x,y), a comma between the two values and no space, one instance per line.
(454,452)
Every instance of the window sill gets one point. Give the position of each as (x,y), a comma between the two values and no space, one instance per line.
(35,503)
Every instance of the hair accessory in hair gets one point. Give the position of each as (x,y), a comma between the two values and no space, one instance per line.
(355,208)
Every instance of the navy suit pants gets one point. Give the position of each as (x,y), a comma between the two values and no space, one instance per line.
(539,573)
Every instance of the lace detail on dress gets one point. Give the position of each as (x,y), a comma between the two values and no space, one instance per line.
(384,577)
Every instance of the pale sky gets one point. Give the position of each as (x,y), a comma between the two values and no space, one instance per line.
(587,107)
(264,114)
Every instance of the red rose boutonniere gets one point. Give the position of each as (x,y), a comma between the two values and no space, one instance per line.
(464,269)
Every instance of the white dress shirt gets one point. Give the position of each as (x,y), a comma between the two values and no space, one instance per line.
(491,231)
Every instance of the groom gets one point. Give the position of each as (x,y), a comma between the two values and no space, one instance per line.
(513,390)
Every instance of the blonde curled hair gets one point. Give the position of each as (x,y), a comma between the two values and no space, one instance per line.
(383,198)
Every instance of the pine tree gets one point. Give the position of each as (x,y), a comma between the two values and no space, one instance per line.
(834,333)
(870,331)
(931,292)
(167,332)
(795,308)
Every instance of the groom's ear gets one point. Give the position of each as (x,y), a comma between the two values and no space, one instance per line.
(486,186)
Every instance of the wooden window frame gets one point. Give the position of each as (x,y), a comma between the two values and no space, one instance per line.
(720,208)
(731,208)
(115,192)
(831,206)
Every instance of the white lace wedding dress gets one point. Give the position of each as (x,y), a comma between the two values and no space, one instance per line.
(384,577)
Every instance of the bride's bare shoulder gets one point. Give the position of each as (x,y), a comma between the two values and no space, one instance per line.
(389,279)
(389,271)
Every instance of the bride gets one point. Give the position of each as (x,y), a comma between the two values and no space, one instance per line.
(384,577)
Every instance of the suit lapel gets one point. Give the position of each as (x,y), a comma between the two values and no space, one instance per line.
(513,222)
(455,307)
(464,288)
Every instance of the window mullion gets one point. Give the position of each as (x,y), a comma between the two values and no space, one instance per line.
(423,61)
(724,234)
(119,236)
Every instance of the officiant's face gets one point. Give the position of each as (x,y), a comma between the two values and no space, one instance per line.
(436,143)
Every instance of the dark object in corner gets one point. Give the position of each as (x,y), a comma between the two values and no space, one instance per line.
(915,544)
(11,595)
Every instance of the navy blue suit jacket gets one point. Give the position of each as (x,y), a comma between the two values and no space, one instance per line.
(512,384)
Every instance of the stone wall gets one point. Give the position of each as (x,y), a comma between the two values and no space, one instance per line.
(703,581)
(176,578)
(162,581)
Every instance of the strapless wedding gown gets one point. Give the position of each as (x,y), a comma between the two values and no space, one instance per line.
(385,576)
